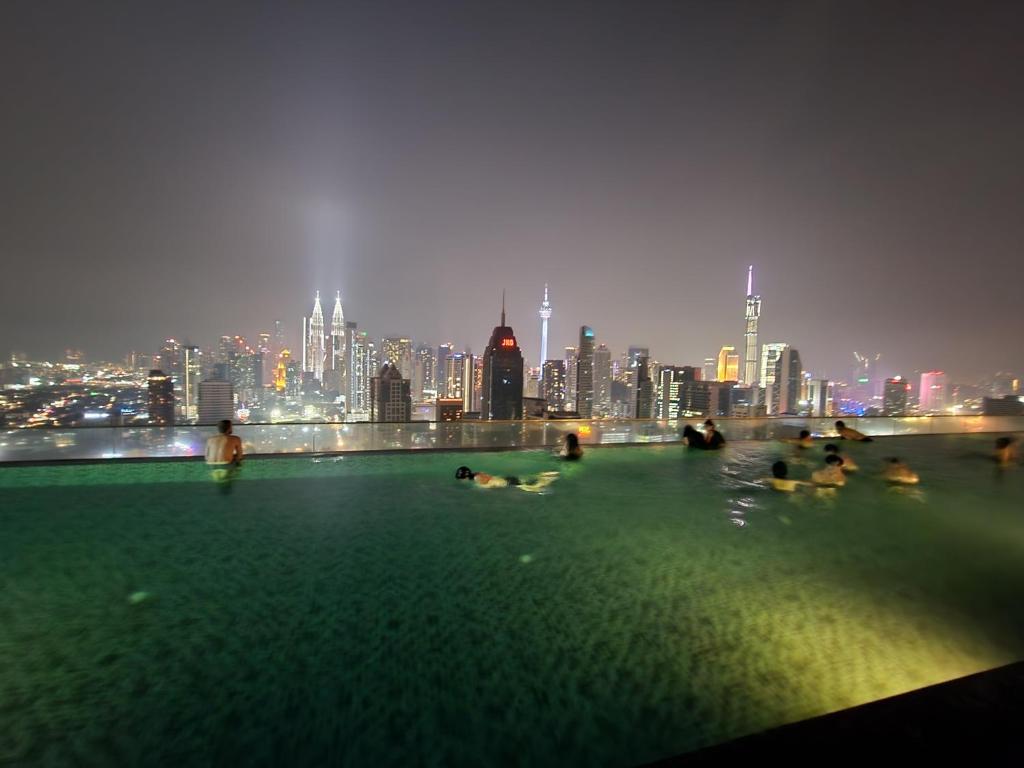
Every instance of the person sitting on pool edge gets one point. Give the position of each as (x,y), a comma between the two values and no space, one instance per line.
(483,480)
(780,480)
(223,452)
(897,472)
(571,451)
(832,474)
(849,465)
(848,433)
(713,439)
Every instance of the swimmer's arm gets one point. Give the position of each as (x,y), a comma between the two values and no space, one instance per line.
(236,445)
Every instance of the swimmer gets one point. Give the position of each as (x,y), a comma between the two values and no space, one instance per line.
(223,452)
(849,465)
(1006,451)
(483,480)
(897,472)
(779,480)
(832,474)
(571,451)
(848,433)
(692,438)
(713,439)
(804,441)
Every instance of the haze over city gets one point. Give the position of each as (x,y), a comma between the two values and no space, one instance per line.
(196,170)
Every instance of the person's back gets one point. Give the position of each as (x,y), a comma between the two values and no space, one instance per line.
(898,472)
(832,474)
(848,465)
(224,447)
(571,451)
(692,438)
(780,480)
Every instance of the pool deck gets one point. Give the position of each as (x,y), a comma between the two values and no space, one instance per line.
(972,720)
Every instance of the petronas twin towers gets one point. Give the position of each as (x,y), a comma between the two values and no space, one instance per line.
(324,353)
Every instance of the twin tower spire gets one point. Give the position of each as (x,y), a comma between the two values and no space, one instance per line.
(315,340)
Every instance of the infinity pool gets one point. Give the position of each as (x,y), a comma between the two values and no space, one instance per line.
(369,610)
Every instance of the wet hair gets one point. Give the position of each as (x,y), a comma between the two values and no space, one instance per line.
(688,431)
(1004,442)
(780,470)
(464,473)
(833,459)
(840,425)
(831,448)
(894,460)
(224,426)
(709,423)
(804,433)
(572,441)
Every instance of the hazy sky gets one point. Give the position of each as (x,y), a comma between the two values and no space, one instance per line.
(169,169)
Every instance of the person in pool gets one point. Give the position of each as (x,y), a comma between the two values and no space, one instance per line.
(713,439)
(897,472)
(223,452)
(849,465)
(804,441)
(1006,451)
(692,438)
(571,450)
(780,480)
(849,433)
(483,480)
(832,474)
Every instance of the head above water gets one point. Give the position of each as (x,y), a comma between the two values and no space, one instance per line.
(572,441)
(464,473)
(780,470)
(833,459)
(1004,442)
(804,434)
(709,424)
(224,426)
(840,425)
(894,460)
(831,448)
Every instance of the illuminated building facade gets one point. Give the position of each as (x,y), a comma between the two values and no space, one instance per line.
(894,396)
(934,394)
(769,357)
(728,364)
(339,349)
(602,380)
(753,316)
(424,386)
(585,373)
(315,350)
(192,371)
(390,396)
(502,386)
(644,390)
(398,351)
(671,377)
(819,397)
(570,376)
(553,385)
(709,371)
(161,398)
(281,371)
(216,401)
(786,387)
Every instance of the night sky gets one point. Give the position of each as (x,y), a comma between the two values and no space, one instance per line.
(169,169)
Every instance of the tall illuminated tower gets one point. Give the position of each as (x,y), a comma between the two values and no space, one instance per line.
(339,338)
(750,335)
(315,342)
(545,315)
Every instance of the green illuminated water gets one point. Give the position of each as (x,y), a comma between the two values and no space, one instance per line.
(371,611)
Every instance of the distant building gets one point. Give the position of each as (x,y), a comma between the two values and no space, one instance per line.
(441,368)
(753,315)
(535,408)
(728,364)
(216,401)
(390,396)
(191,370)
(449,409)
(585,373)
(819,397)
(315,349)
(894,396)
(671,376)
(502,385)
(770,354)
(934,392)
(161,398)
(644,390)
(423,381)
(1007,405)
(705,398)
(786,387)
(602,380)
(709,369)
(570,378)
(336,365)
(398,351)
(553,385)
(545,316)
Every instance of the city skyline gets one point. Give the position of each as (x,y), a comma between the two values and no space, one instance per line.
(870,192)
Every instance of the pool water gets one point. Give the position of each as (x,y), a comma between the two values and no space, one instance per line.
(370,610)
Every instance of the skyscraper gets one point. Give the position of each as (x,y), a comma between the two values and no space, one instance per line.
(671,378)
(216,401)
(709,369)
(423,380)
(390,398)
(728,364)
(769,356)
(545,315)
(502,385)
(398,351)
(315,347)
(191,368)
(602,380)
(570,377)
(819,397)
(339,347)
(894,397)
(644,390)
(161,398)
(933,395)
(585,373)
(786,388)
(553,381)
(753,315)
